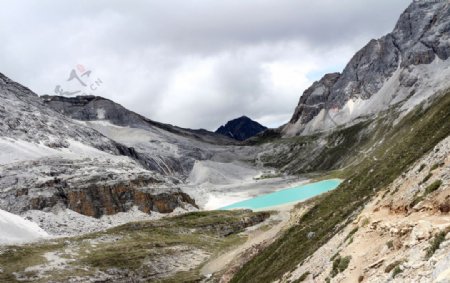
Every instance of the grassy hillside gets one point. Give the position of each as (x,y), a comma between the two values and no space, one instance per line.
(402,144)
(168,250)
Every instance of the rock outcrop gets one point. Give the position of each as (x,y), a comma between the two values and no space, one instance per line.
(241,128)
(89,187)
(420,37)
(48,160)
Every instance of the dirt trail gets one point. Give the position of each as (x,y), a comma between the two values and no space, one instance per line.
(255,236)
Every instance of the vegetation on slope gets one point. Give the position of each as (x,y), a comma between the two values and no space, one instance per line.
(416,134)
(435,243)
(328,151)
(150,250)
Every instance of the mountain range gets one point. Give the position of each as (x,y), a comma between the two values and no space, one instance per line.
(125,191)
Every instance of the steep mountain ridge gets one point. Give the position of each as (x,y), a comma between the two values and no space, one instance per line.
(166,149)
(48,160)
(93,108)
(241,128)
(404,67)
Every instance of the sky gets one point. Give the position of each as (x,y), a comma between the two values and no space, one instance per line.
(191,63)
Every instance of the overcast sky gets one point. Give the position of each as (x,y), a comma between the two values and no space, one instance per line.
(192,63)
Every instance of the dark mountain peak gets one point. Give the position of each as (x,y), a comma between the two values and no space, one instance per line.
(241,128)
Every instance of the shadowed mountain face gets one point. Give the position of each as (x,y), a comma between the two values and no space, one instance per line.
(241,128)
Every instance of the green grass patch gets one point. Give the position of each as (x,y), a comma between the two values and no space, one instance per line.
(428,190)
(426,178)
(269,176)
(422,166)
(390,244)
(436,166)
(393,265)
(433,187)
(397,271)
(436,243)
(303,277)
(416,201)
(351,233)
(340,264)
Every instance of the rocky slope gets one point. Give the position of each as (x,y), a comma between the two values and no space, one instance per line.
(93,108)
(241,128)
(402,234)
(48,160)
(89,187)
(166,149)
(404,67)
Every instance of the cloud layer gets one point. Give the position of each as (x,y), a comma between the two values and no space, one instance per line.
(193,63)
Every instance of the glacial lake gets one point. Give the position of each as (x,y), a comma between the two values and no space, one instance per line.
(286,196)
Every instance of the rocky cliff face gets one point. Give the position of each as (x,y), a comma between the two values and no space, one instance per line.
(48,160)
(383,73)
(84,187)
(241,128)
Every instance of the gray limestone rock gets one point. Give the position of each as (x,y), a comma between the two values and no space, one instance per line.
(421,35)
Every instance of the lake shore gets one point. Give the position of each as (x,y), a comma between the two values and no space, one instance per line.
(214,196)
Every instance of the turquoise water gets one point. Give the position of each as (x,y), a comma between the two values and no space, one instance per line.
(285,196)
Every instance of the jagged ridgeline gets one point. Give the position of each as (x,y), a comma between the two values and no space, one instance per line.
(405,142)
(385,72)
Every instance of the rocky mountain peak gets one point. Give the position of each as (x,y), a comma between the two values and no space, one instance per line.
(241,128)
(420,36)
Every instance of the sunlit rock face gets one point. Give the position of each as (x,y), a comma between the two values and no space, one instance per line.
(49,160)
(384,67)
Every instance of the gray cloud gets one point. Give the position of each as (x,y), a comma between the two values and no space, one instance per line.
(190,62)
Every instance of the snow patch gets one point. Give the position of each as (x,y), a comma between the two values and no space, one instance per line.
(19,150)
(15,230)
(211,172)
(101,113)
